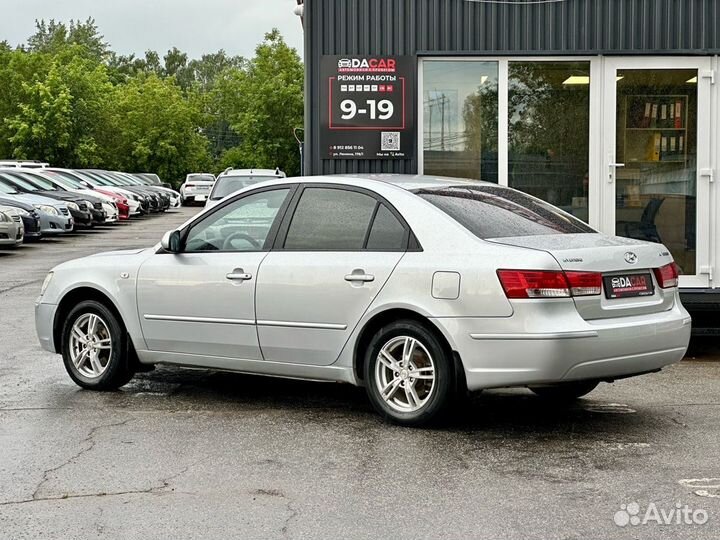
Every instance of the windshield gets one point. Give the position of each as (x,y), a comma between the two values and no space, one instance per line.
(118,179)
(150,177)
(226,185)
(65,179)
(95,179)
(23,183)
(7,188)
(44,183)
(129,179)
(490,211)
(106,179)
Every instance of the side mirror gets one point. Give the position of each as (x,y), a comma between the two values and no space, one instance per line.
(171,241)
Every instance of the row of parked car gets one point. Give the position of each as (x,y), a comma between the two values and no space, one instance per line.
(37,200)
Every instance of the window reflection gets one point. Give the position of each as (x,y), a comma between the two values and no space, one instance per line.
(549,122)
(460,119)
(657,143)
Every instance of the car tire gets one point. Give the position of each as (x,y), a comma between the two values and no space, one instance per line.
(388,370)
(565,391)
(94,347)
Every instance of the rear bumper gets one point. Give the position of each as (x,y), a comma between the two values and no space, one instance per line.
(548,342)
(196,197)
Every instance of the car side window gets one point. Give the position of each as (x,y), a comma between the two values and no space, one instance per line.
(387,233)
(243,225)
(329,219)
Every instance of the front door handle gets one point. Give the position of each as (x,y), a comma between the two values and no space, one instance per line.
(238,275)
(359,276)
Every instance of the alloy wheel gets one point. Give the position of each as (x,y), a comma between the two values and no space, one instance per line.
(90,345)
(405,374)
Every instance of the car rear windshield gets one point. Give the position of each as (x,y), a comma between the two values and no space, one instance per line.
(226,185)
(497,212)
(200,178)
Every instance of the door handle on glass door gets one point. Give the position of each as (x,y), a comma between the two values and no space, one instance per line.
(238,275)
(359,276)
(613,168)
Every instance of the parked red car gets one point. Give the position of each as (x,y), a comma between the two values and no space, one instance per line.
(120,201)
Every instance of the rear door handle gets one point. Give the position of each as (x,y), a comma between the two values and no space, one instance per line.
(359,277)
(238,275)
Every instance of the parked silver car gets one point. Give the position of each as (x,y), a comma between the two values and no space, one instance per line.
(414,287)
(11,227)
(54,215)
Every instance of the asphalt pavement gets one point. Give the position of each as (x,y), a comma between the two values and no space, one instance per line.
(181,453)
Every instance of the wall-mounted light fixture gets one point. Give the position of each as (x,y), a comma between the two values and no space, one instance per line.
(300,10)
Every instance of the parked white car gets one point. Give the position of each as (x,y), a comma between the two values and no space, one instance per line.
(232,180)
(196,188)
(414,287)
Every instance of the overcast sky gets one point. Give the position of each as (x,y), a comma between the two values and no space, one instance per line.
(134,26)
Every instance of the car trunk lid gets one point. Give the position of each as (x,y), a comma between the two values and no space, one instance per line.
(629,284)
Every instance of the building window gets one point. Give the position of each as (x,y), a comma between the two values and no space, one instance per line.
(460,119)
(548,132)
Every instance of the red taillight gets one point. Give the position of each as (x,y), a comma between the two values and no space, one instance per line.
(189,185)
(584,283)
(534,284)
(549,284)
(667,276)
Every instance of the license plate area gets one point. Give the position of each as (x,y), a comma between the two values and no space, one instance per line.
(628,285)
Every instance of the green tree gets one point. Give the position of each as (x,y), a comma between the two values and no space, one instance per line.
(18,69)
(176,65)
(263,104)
(207,69)
(53,36)
(155,128)
(59,111)
(41,128)
(68,99)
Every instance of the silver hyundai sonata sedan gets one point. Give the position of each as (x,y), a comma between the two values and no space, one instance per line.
(415,287)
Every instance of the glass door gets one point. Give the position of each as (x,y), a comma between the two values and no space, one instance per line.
(656,177)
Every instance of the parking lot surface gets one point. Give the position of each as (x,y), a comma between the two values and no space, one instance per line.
(192,453)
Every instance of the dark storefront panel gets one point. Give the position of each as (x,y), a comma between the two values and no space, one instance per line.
(467,27)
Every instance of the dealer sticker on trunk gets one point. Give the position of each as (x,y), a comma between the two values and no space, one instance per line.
(628,285)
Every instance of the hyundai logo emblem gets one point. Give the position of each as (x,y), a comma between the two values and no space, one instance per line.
(630,257)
